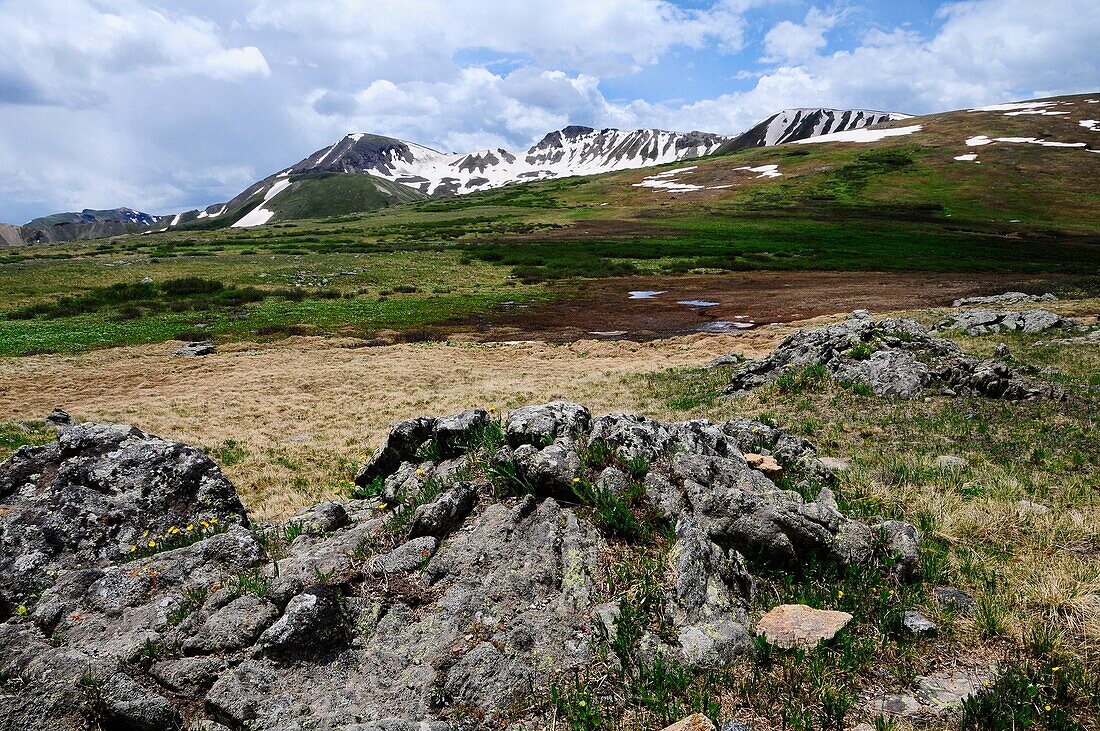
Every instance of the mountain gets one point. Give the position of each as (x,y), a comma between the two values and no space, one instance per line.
(115,215)
(792,125)
(397,171)
(82,226)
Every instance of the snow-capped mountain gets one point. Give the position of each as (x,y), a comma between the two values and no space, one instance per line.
(570,151)
(792,125)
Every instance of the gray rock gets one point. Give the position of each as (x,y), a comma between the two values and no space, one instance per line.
(233,627)
(408,556)
(488,679)
(192,675)
(954,599)
(439,517)
(551,470)
(987,322)
(132,706)
(82,501)
(58,418)
(951,462)
(311,623)
(918,624)
(452,432)
(325,517)
(1008,298)
(195,350)
(893,357)
(545,424)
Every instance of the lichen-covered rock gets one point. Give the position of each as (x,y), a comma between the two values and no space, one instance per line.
(85,499)
(480,576)
(893,357)
(542,425)
(1008,298)
(311,623)
(988,322)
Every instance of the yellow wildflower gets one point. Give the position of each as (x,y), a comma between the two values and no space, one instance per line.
(213,521)
(145,534)
(840,595)
(133,548)
(190,526)
(1056,668)
(576,480)
(1046,708)
(152,544)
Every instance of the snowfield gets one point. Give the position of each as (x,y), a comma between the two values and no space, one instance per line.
(862,135)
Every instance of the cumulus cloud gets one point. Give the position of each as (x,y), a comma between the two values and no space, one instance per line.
(795,42)
(605,37)
(70,52)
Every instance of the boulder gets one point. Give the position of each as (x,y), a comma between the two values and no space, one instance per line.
(195,350)
(989,322)
(892,357)
(84,500)
(1008,298)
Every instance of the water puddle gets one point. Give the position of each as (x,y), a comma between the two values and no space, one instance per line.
(645,294)
(698,303)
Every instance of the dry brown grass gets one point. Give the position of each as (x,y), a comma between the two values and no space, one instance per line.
(305,410)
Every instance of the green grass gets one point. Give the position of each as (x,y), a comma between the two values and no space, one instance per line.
(1028,574)
(324,196)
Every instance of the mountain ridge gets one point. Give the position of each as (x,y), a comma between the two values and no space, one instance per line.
(569,151)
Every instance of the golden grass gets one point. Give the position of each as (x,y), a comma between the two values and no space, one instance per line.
(305,410)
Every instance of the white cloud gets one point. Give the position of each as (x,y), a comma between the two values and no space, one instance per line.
(608,36)
(70,52)
(793,42)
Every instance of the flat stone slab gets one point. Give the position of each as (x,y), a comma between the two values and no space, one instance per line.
(694,722)
(764,463)
(797,625)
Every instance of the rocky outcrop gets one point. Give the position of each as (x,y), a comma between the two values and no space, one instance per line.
(85,500)
(477,577)
(987,322)
(1008,298)
(893,357)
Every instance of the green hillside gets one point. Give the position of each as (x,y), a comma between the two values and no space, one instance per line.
(902,203)
(323,196)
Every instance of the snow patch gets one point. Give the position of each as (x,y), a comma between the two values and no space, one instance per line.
(175,220)
(1013,107)
(861,135)
(981,140)
(259,215)
(1092,125)
(1043,112)
(971,157)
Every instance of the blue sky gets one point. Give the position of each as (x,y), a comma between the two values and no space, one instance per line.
(169,105)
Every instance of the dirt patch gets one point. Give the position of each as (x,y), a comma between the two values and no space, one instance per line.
(604,308)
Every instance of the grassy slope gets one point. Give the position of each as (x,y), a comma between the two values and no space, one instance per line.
(902,203)
(323,196)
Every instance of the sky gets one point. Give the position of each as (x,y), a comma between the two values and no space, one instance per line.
(179,104)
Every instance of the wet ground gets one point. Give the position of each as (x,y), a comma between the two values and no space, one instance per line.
(647,308)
